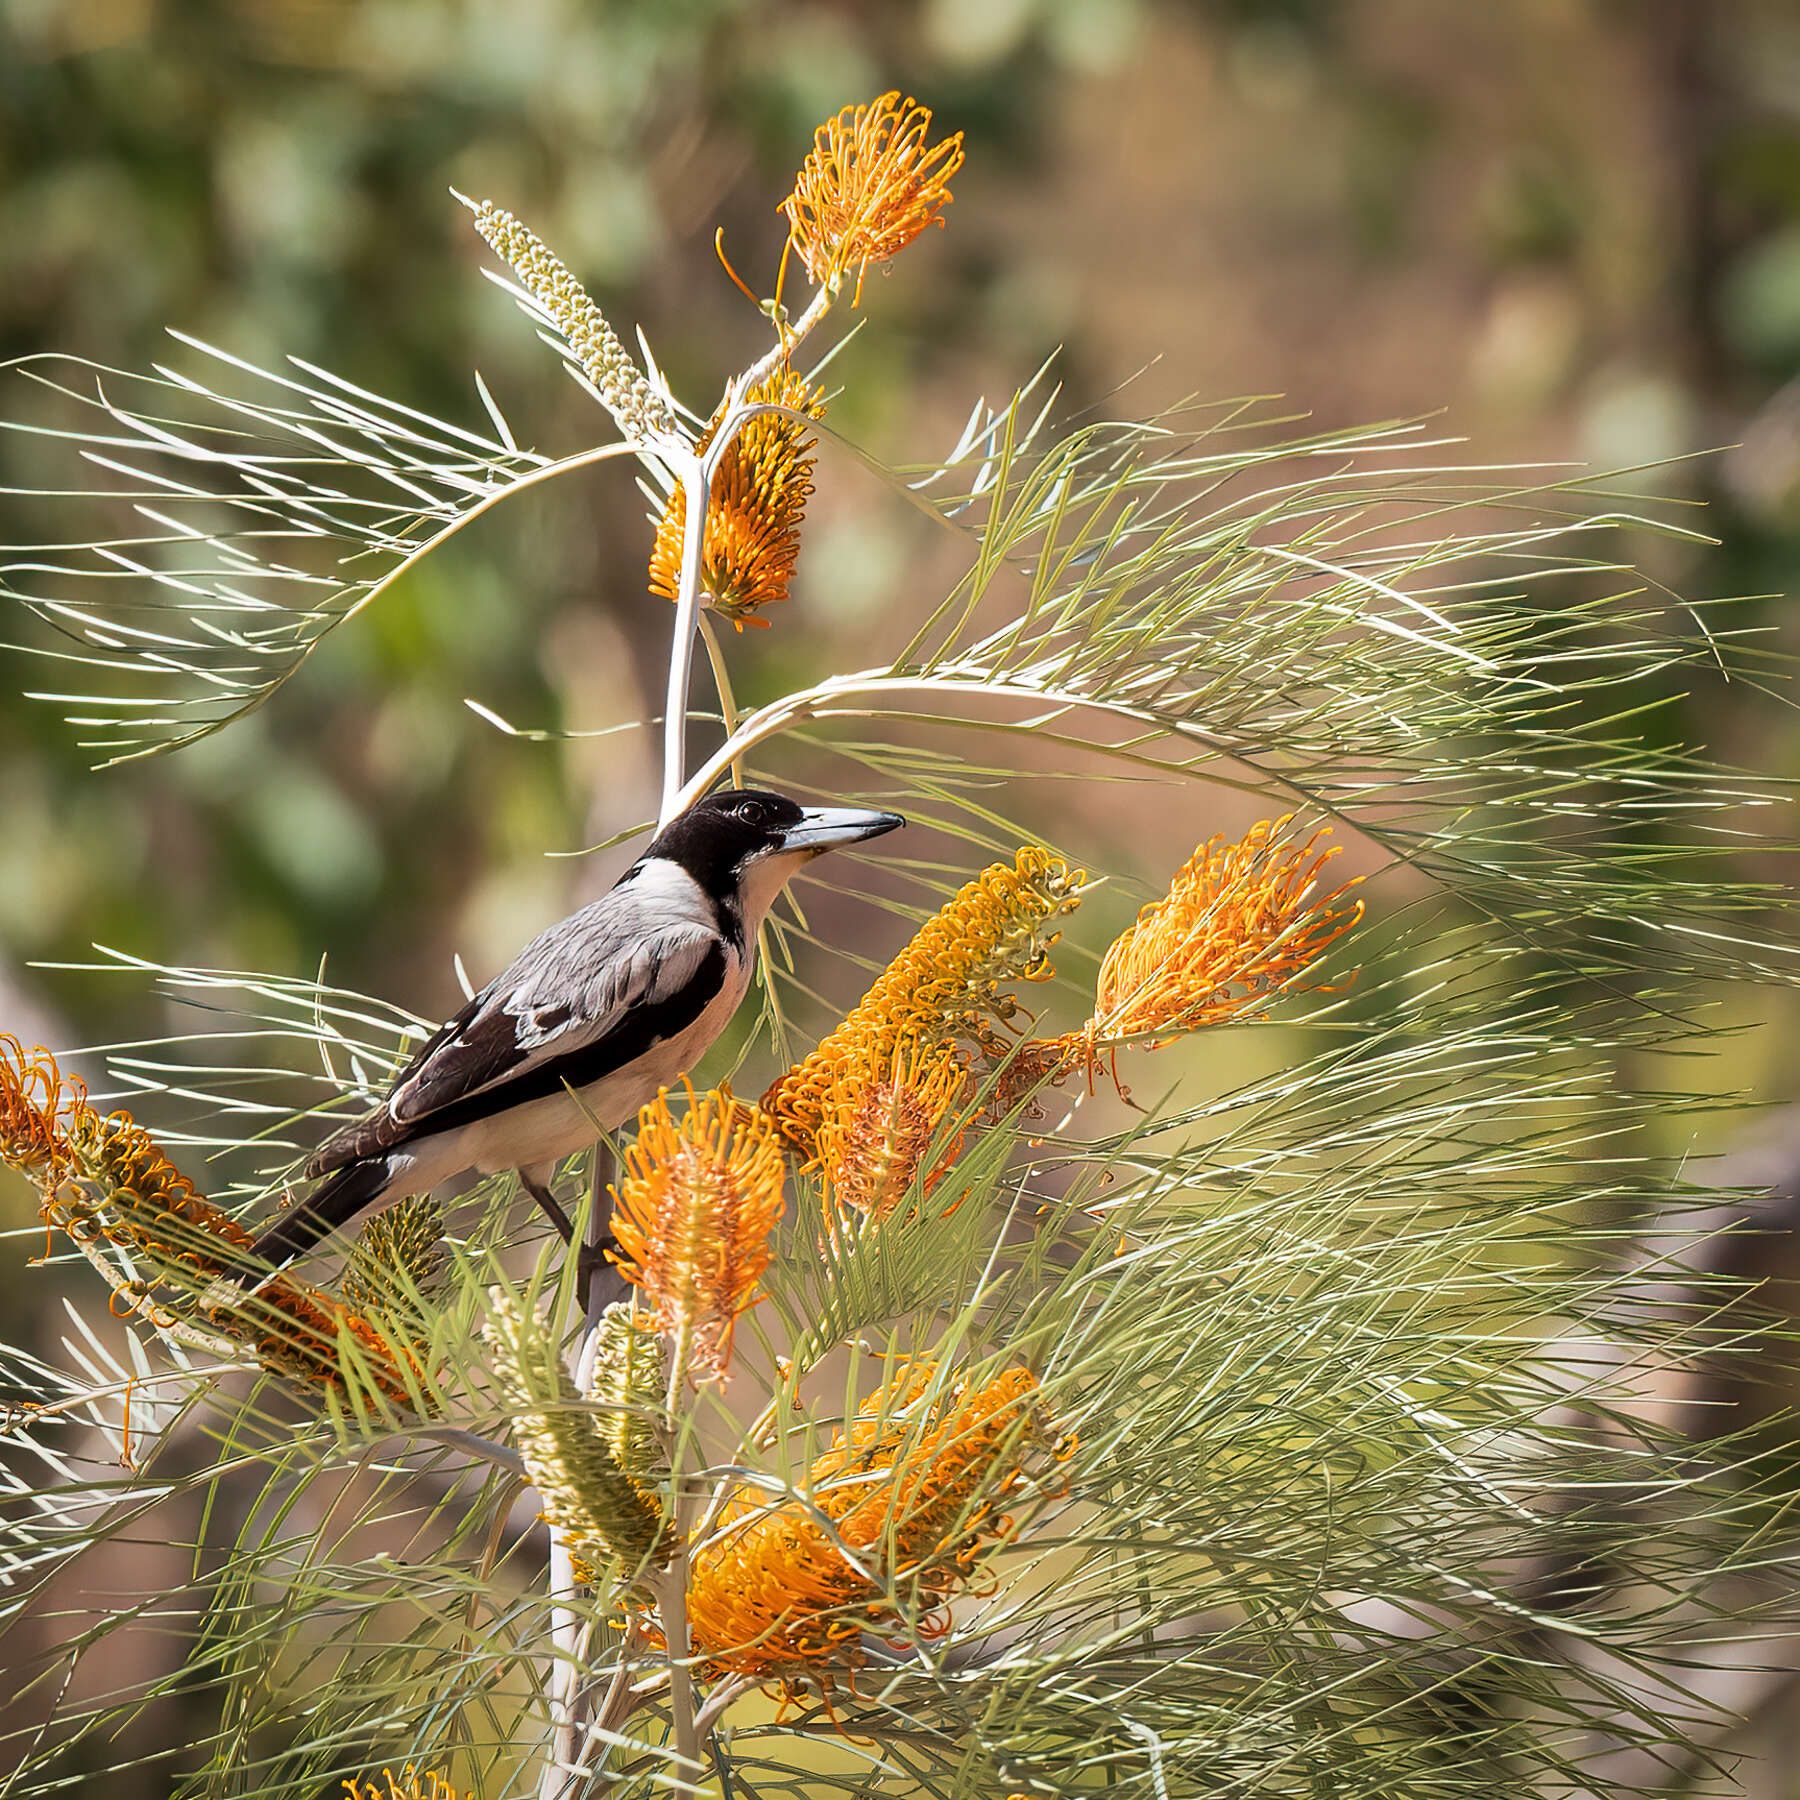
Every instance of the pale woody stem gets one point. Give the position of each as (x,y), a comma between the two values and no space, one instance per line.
(816,308)
(570,1704)
(696,473)
(671,1603)
(560,1779)
(696,483)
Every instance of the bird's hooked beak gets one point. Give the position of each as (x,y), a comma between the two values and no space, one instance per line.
(824,828)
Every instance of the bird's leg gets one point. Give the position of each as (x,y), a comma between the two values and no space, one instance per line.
(589,1258)
(548,1204)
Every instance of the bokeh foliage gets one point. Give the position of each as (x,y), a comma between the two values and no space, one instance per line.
(1571,226)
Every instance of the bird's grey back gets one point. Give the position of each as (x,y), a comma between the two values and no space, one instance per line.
(630,950)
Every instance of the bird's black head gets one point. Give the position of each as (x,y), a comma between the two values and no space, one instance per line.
(741,844)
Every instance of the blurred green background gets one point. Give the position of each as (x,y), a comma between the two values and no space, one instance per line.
(1574,224)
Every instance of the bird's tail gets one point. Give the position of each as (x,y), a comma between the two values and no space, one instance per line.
(334,1202)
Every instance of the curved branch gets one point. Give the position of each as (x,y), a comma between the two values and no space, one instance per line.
(566,465)
(772,720)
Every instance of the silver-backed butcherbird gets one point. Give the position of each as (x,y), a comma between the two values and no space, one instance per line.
(594,1016)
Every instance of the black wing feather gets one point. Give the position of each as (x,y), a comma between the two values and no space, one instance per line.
(488,1047)
(464,1062)
(642,1027)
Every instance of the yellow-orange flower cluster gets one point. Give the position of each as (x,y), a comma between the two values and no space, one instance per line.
(872,1151)
(138,1219)
(945,986)
(753,520)
(693,1213)
(914,1490)
(868,187)
(410,1786)
(1240,924)
(306,1334)
(102,1177)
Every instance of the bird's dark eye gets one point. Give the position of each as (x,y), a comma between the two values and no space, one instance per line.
(753,812)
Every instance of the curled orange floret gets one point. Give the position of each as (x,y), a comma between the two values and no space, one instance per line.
(868,187)
(901,1507)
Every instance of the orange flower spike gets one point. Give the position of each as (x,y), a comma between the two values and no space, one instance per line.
(945,1473)
(775,1597)
(31,1094)
(945,985)
(103,1176)
(1241,923)
(410,1786)
(759,496)
(693,1214)
(108,1185)
(294,1328)
(868,187)
(871,1151)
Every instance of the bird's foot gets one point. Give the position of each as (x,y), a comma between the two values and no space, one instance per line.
(593,1260)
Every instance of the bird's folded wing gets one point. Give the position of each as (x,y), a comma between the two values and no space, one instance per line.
(552,1016)
(530,1019)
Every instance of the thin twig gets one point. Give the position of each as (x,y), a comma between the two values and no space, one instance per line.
(722,683)
(816,309)
(484,1449)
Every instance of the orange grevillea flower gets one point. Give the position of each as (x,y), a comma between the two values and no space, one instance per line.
(140,1221)
(1240,924)
(868,187)
(872,1147)
(310,1337)
(944,986)
(102,1177)
(31,1091)
(902,1505)
(693,1214)
(410,1786)
(759,495)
